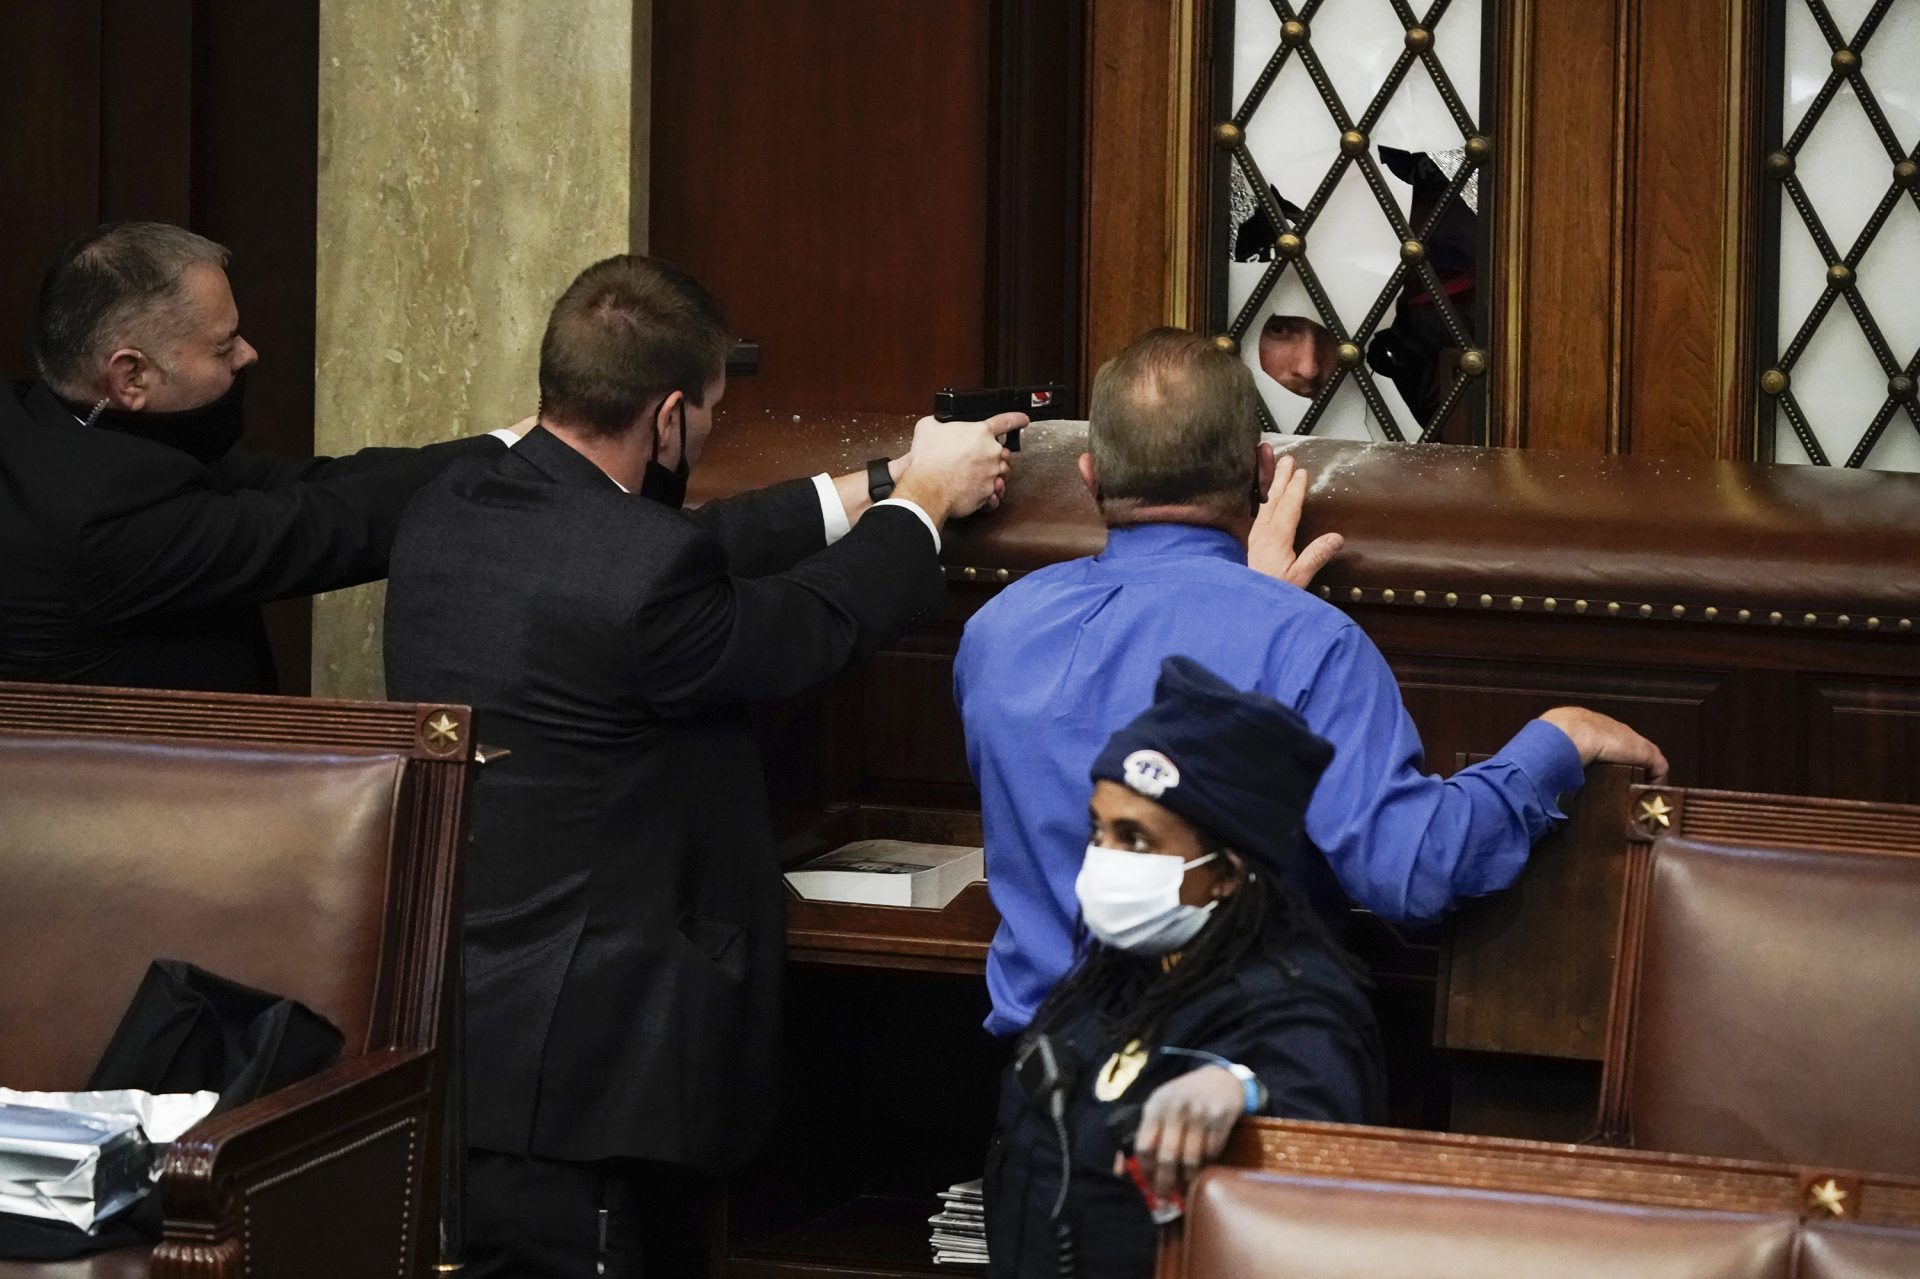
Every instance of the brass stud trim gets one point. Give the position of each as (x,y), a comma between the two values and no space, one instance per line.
(1486,601)
(1745,615)
(1712,613)
(1412,251)
(1478,146)
(1289,244)
(1774,619)
(1811,619)
(1550,603)
(1846,61)
(1002,575)
(1353,142)
(1452,599)
(1613,609)
(1906,623)
(1679,611)
(1419,597)
(970,573)
(1355,594)
(1225,342)
(1294,32)
(1419,39)
(1580,606)
(1348,353)
(1646,610)
(1228,134)
(1774,381)
(1386,597)
(1326,592)
(1473,362)
(1873,623)
(1843,621)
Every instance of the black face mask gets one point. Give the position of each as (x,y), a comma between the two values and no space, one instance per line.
(668,487)
(207,433)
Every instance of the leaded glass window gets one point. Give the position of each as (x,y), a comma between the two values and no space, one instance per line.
(1840,322)
(1355,210)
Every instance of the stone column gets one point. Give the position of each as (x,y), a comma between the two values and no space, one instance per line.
(474,155)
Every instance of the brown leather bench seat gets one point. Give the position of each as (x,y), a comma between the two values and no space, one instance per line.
(1329,1201)
(1258,1224)
(1765,1003)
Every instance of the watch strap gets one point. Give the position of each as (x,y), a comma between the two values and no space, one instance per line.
(880,479)
(1255,1090)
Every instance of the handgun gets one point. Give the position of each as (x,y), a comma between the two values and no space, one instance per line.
(1039,403)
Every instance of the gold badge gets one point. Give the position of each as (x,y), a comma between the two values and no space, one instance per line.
(1120,1071)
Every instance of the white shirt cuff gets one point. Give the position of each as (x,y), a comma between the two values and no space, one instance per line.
(922,515)
(505,436)
(833,512)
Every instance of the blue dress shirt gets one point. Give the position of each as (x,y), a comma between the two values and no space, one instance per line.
(1063,657)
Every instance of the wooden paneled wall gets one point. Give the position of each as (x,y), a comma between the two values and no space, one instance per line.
(1628,181)
(197,112)
(823,168)
(1819,714)
(884,195)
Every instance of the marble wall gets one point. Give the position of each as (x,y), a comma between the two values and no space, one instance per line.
(474,155)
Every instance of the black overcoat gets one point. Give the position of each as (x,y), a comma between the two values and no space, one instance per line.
(624,926)
(130,563)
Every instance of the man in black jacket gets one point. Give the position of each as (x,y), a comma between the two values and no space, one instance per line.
(136,543)
(624,925)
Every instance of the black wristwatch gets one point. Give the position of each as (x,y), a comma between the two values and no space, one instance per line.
(880,478)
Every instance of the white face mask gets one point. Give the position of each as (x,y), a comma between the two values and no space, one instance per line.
(1132,900)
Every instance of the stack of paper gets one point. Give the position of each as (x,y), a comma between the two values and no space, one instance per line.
(889,872)
(81,1157)
(960,1229)
(69,1167)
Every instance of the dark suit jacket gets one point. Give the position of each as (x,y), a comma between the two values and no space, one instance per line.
(127,562)
(624,923)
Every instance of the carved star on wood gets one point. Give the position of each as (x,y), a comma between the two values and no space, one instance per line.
(1656,813)
(443,730)
(1826,1196)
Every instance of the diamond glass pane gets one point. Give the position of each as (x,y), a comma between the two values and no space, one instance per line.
(1354,151)
(1843,346)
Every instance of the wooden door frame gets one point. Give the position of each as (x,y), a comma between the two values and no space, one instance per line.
(1625,194)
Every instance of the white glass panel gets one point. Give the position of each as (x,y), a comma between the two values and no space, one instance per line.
(1845,171)
(1352,245)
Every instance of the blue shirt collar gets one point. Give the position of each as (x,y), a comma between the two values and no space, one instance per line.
(1136,541)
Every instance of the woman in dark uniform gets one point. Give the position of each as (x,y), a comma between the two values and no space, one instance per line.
(1206,988)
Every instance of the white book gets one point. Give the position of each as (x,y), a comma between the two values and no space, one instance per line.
(889,872)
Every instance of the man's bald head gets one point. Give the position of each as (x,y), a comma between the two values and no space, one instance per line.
(1174,421)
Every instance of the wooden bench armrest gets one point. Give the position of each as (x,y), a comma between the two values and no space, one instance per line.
(292,1135)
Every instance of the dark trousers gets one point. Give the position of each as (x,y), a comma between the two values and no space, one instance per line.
(619,1218)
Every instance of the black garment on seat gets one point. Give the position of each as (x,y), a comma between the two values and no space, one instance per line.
(186,1030)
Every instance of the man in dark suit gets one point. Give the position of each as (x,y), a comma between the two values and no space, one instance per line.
(624,925)
(136,543)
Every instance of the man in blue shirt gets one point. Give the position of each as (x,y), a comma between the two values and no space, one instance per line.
(1063,657)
